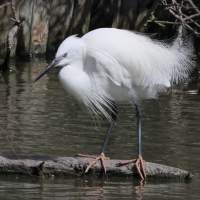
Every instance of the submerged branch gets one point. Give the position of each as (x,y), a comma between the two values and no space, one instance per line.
(42,165)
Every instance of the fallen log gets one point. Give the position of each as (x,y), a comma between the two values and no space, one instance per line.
(41,166)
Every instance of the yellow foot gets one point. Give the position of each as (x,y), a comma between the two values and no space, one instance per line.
(99,157)
(139,165)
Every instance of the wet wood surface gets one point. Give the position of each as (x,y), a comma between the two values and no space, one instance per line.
(75,166)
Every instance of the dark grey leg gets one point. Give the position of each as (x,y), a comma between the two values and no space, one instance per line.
(139,161)
(102,155)
(114,116)
(139,122)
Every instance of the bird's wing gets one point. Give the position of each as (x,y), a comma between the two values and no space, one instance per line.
(149,63)
(101,63)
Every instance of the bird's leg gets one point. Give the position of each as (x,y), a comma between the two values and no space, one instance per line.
(102,155)
(139,161)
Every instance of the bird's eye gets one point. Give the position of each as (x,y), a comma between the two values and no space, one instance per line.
(65,55)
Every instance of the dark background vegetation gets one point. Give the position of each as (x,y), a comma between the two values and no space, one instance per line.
(31,28)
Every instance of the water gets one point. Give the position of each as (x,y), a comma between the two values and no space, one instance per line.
(43,120)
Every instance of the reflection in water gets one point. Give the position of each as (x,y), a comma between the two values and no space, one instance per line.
(43,120)
(96,188)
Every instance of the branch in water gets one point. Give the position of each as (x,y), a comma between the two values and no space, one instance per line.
(76,166)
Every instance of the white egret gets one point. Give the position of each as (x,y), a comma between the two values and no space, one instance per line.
(109,66)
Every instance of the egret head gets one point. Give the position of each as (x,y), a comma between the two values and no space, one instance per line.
(68,52)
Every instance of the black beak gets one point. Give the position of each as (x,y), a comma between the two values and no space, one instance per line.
(50,66)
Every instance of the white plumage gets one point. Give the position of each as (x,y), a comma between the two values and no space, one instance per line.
(108,66)
(111,65)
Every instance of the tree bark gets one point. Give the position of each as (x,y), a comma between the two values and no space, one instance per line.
(41,165)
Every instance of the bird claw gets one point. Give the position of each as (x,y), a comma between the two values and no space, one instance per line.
(139,165)
(100,157)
